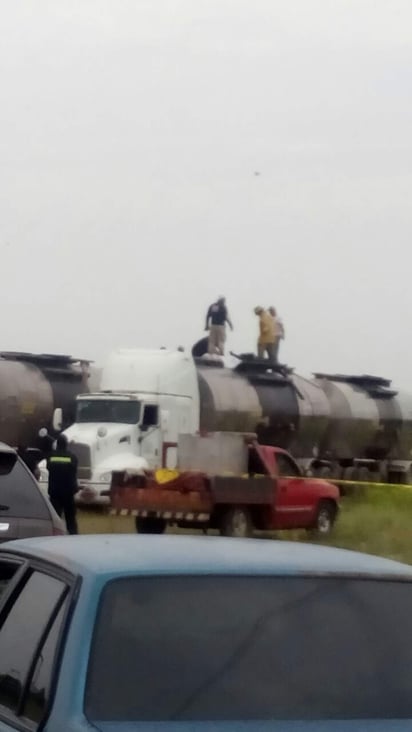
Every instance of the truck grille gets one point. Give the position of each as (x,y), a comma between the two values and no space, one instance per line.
(82,453)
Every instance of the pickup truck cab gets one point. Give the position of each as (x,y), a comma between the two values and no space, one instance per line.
(299,502)
(272,495)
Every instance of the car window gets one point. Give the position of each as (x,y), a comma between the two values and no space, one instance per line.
(22,632)
(20,494)
(39,689)
(265,648)
(7,571)
(286,466)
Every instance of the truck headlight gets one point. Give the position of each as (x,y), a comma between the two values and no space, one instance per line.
(105,478)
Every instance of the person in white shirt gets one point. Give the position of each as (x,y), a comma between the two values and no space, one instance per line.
(278,328)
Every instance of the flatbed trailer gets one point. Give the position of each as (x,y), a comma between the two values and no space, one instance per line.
(272,495)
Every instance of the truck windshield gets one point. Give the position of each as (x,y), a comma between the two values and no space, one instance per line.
(108,410)
(266,648)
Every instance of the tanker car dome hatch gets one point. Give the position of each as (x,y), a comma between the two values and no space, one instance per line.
(376,386)
(381,394)
(251,364)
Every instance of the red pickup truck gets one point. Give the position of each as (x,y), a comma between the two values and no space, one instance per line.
(272,495)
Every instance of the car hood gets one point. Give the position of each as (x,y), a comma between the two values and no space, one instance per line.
(88,432)
(367,725)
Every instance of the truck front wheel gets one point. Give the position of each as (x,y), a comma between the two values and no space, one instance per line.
(150,525)
(325,518)
(236,522)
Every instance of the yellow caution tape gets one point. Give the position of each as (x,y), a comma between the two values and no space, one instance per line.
(367,483)
(165,475)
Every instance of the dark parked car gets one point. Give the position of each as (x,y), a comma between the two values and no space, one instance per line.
(24,510)
(126,633)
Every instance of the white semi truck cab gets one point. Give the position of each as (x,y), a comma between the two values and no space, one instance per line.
(146,399)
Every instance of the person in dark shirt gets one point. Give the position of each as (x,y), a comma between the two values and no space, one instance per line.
(216,319)
(62,467)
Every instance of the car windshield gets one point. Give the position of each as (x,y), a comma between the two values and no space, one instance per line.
(108,410)
(265,648)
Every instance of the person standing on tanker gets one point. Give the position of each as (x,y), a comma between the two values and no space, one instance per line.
(279,329)
(216,319)
(267,337)
(62,467)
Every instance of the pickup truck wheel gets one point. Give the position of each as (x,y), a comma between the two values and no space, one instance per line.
(150,525)
(236,522)
(325,518)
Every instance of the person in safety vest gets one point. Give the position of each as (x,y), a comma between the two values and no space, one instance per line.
(62,467)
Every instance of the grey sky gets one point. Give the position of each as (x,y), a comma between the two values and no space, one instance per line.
(131,131)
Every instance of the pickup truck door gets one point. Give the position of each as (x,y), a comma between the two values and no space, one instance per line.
(294,506)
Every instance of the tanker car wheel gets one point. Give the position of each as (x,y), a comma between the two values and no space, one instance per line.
(348,473)
(236,522)
(364,475)
(150,525)
(325,472)
(325,518)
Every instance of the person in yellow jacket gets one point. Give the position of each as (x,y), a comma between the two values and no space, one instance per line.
(267,335)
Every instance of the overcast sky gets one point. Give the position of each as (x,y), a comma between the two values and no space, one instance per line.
(131,132)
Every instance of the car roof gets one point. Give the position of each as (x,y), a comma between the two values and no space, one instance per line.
(6,448)
(125,554)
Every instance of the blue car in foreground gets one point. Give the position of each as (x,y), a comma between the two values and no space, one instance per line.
(122,633)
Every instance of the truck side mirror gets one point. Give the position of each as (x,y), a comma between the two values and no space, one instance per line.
(58,419)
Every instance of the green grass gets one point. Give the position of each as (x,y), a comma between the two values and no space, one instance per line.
(373,520)
(99,522)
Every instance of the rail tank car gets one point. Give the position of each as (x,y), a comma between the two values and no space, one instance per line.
(335,425)
(31,387)
(287,411)
(283,409)
(370,425)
